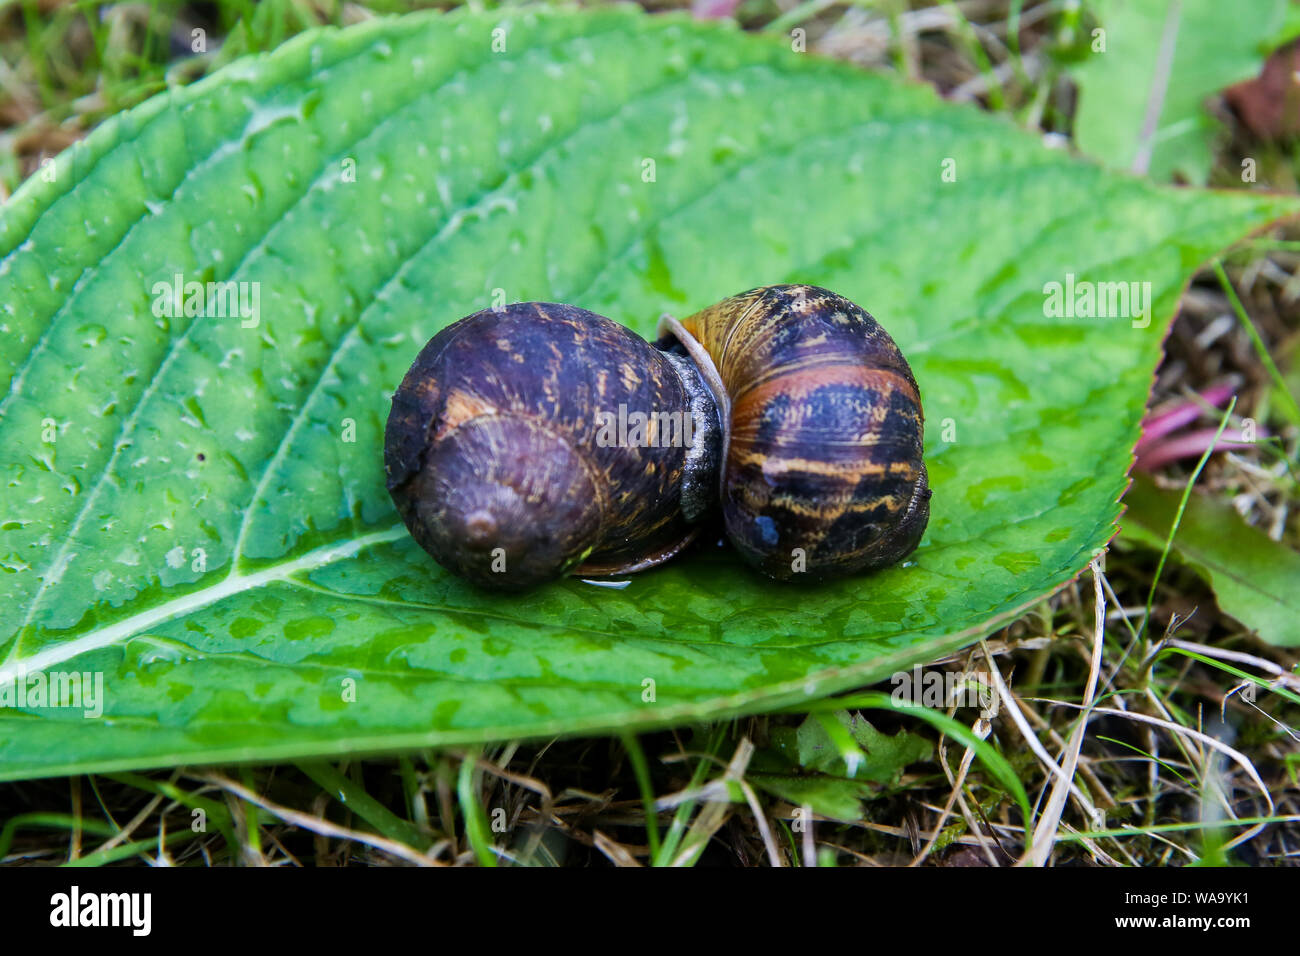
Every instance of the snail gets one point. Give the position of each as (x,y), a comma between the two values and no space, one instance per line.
(500,458)
(796,416)
(822,424)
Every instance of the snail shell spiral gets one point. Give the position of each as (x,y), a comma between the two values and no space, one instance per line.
(494,457)
(822,469)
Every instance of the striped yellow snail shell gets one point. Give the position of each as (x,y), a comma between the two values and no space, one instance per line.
(822,469)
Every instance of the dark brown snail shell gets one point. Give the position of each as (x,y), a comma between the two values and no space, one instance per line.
(494,452)
(823,472)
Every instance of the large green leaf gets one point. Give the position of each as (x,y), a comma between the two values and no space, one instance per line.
(523,171)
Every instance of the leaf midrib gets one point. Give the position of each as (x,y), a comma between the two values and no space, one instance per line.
(233,583)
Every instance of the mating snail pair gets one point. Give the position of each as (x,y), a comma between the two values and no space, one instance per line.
(803,422)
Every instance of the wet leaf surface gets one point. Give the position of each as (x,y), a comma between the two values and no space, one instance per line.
(193,506)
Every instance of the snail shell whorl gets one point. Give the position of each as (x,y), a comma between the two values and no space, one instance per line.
(825,450)
(492,450)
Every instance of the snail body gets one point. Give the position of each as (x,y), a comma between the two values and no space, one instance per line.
(495,459)
(804,425)
(822,465)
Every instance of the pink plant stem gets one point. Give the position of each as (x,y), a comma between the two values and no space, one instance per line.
(1189,445)
(713,9)
(1157,426)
